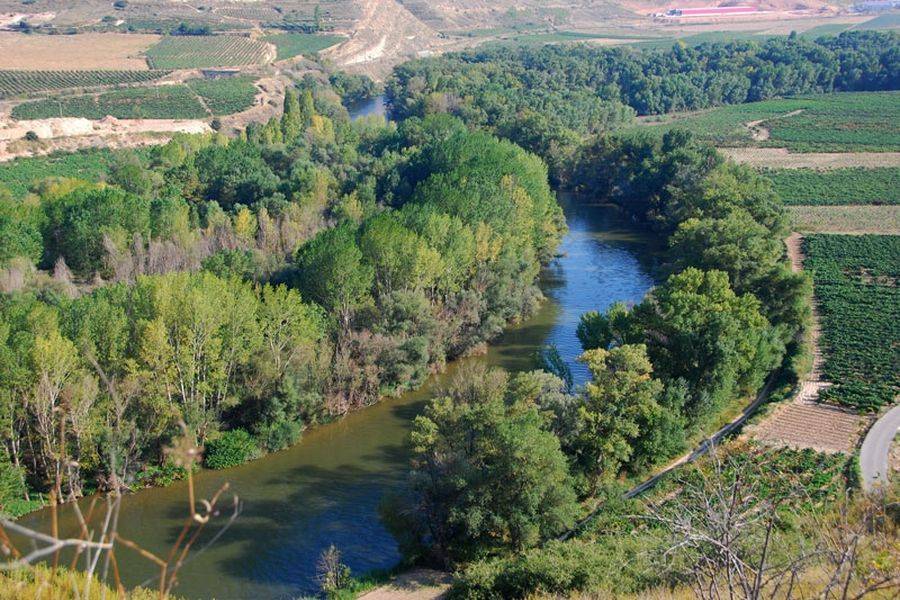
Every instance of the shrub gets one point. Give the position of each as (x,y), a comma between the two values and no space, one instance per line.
(558,569)
(153,476)
(31,136)
(230,449)
(279,435)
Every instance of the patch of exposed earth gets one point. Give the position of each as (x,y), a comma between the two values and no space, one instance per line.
(781,158)
(418,584)
(69,134)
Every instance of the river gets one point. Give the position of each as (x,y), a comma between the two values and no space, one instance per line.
(327,489)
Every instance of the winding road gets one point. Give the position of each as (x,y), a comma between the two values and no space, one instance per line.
(873,457)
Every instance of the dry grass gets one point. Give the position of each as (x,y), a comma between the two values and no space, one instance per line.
(780,158)
(86,51)
(846,219)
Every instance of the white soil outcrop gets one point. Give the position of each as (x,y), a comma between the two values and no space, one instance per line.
(48,129)
(385,34)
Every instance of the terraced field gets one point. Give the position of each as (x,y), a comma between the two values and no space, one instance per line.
(855,280)
(21,83)
(195,52)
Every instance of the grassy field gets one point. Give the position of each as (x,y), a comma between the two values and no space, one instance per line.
(222,96)
(20,174)
(837,186)
(846,122)
(196,52)
(846,219)
(290,45)
(21,83)
(855,280)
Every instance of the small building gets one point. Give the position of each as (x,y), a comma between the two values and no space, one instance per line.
(711,11)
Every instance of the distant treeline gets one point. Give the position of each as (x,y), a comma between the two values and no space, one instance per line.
(545,97)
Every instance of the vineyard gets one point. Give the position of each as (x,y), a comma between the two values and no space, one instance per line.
(194,52)
(290,45)
(855,279)
(21,83)
(221,96)
(843,122)
(225,96)
(838,186)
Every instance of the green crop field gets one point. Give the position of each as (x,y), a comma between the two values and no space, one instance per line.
(290,45)
(855,280)
(221,96)
(844,122)
(202,51)
(92,165)
(225,96)
(837,186)
(20,83)
(159,102)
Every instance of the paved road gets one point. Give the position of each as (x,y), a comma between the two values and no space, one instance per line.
(873,458)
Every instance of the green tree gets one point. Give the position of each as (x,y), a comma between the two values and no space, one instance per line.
(292,118)
(486,475)
(331,272)
(79,224)
(20,233)
(621,402)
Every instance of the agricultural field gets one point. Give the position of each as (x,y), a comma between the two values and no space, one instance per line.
(158,102)
(22,83)
(846,219)
(289,45)
(196,52)
(221,96)
(20,174)
(842,122)
(855,280)
(82,52)
(225,96)
(837,186)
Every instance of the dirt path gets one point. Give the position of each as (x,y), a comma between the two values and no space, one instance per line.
(804,422)
(418,584)
(760,133)
(781,158)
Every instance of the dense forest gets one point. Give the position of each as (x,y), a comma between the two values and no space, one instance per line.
(546,97)
(247,288)
(254,286)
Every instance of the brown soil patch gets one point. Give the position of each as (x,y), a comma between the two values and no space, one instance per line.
(803,422)
(418,584)
(780,158)
(884,220)
(86,51)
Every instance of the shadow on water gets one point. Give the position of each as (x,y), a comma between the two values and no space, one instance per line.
(327,489)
